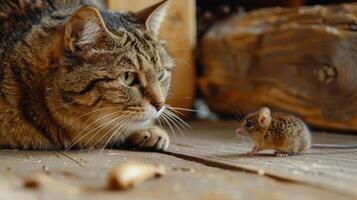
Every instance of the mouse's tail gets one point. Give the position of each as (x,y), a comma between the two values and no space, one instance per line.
(334,146)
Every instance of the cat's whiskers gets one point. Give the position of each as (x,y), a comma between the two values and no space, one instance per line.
(121,124)
(171,112)
(121,127)
(174,122)
(164,117)
(102,127)
(106,133)
(176,98)
(182,109)
(174,111)
(178,119)
(81,137)
(171,119)
(86,114)
(159,122)
(95,121)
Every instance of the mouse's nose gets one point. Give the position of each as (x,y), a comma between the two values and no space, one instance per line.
(158,105)
(240,131)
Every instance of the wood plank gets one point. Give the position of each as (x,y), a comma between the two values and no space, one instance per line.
(184,180)
(324,168)
(179,32)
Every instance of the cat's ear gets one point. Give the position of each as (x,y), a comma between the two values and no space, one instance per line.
(153,16)
(264,117)
(83,29)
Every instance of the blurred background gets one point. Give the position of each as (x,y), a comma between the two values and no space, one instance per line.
(234,56)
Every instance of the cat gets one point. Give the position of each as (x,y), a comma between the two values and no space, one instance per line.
(74,75)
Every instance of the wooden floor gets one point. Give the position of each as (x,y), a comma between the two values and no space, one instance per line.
(205,163)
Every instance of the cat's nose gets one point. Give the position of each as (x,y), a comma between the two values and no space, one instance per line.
(158,105)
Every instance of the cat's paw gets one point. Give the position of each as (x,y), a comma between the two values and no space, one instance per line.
(153,138)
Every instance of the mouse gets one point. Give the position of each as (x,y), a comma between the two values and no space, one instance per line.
(282,132)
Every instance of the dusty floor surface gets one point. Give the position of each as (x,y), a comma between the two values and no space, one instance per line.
(206,163)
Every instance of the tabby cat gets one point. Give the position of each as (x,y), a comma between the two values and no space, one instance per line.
(76,76)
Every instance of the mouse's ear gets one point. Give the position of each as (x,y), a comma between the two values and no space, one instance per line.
(264,117)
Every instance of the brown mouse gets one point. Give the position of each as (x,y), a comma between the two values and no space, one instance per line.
(282,132)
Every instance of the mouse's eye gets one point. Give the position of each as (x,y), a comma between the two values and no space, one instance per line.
(249,124)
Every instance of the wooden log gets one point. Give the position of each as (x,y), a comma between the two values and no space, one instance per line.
(301,60)
(179,31)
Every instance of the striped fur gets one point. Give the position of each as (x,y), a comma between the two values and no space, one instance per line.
(64,68)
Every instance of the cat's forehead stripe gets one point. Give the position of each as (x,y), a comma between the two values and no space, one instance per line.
(129,46)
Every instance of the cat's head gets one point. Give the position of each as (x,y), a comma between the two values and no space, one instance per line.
(112,66)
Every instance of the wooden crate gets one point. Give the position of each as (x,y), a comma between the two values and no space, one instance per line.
(179,30)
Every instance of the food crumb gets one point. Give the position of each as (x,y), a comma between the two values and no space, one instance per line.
(128,175)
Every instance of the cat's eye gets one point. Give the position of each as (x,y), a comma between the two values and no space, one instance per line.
(249,124)
(162,74)
(128,78)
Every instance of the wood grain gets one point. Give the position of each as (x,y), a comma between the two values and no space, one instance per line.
(300,60)
(217,145)
(184,179)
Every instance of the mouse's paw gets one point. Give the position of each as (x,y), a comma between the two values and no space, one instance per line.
(153,138)
(281,154)
(254,151)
